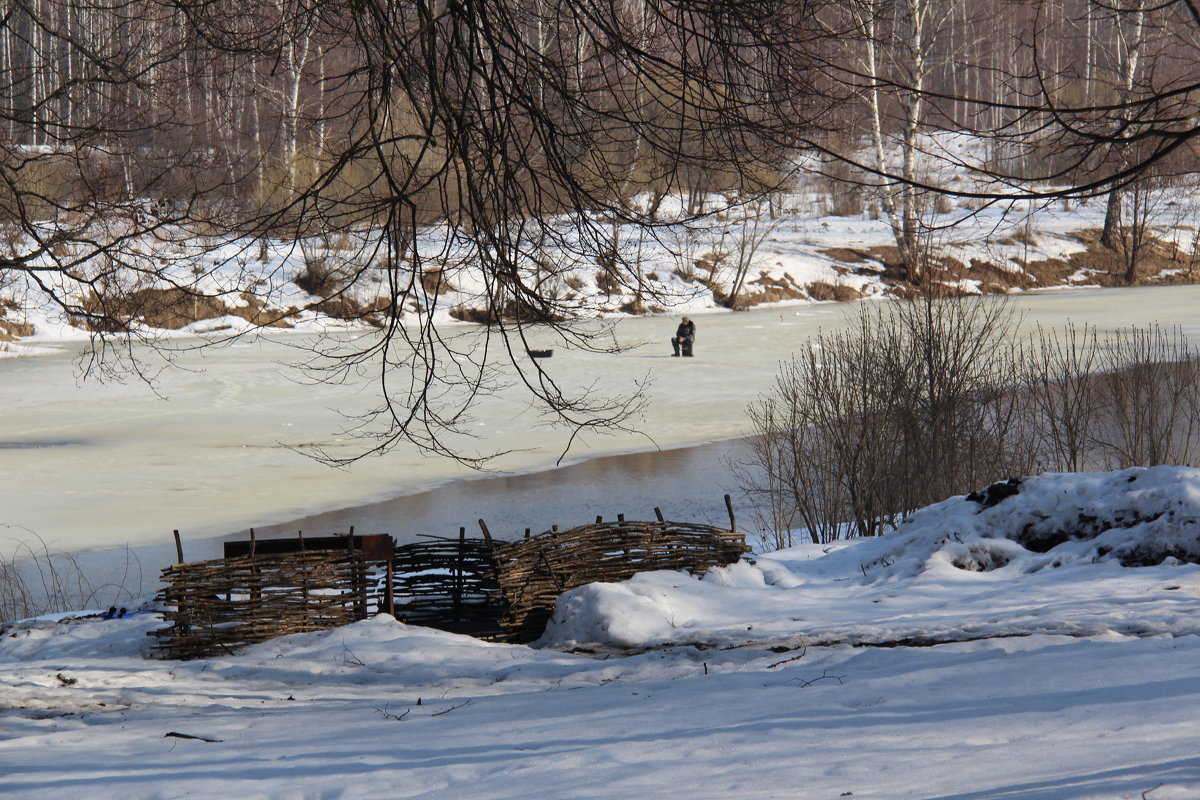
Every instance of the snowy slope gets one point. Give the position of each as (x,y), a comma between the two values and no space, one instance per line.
(1072,677)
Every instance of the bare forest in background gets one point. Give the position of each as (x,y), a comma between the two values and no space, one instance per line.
(530,134)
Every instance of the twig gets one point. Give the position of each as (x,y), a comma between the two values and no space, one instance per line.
(349,659)
(824,676)
(1151,789)
(803,652)
(177,735)
(451,708)
(388,715)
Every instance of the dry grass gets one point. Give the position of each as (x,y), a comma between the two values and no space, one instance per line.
(820,290)
(35,581)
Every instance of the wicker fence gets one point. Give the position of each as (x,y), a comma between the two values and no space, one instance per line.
(448,584)
(216,606)
(533,572)
(504,590)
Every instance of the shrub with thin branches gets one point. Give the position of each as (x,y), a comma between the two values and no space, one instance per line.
(925,399)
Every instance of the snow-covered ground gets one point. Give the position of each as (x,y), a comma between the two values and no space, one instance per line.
(807,674)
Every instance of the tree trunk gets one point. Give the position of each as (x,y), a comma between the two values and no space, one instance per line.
(1110,237)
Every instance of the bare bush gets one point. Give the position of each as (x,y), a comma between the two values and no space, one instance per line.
(928,399)
(36,581)
(1148,398)
(913,403)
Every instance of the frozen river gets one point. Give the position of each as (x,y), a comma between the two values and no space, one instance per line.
(214,452)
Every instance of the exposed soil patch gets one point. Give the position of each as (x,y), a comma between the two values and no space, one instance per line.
(11,330)
(510,311)
(159,308)
(820,290)
(845,254)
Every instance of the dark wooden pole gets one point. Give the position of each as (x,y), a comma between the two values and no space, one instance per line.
(732,518)
(458,573)
(253,544)
(178,548)
(487,535)
(658,513)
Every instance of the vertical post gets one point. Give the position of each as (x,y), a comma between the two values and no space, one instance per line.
(732,518)
(658,514)
(390,585)
(527,533)
(620,517)
(178,549)
(301,535)
(256,590)
(358,579)
(487,535)
(458,573)
(599,519)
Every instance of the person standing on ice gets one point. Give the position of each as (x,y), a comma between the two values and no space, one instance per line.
(685,335)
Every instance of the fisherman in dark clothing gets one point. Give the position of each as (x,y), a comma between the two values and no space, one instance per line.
(685,335)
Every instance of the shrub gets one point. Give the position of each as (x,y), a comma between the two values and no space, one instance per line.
(924,399)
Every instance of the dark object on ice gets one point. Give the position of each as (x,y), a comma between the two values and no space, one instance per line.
(540,353)
(996,492)
(685,336)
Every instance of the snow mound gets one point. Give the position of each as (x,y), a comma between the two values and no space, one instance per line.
(1052,554)
(1138,517)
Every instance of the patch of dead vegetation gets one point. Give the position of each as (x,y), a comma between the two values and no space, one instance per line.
(436,282)
(11,330)
(823,291)
(845,255)
(768,289)
(345,308)
(510,311)
(170,309)
(257,313)
(1159,263)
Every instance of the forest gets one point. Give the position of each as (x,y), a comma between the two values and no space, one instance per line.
(149,151)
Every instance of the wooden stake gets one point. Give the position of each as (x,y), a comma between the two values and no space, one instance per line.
(732,518)
(253,544)
(658,513)
(487,535)
(178,548)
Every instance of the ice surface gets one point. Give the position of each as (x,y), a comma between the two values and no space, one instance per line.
(220,447)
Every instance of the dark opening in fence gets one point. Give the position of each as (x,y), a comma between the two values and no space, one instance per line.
(448,584)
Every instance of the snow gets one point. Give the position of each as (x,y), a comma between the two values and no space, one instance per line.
(794,674)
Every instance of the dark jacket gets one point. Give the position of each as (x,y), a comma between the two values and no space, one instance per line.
(686,332)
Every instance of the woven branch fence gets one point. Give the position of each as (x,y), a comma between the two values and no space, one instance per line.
(533,572)
(448,584)
(216,606)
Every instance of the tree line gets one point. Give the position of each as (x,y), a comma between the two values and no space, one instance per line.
(525,128)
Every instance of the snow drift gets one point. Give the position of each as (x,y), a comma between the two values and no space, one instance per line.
(1061,553)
